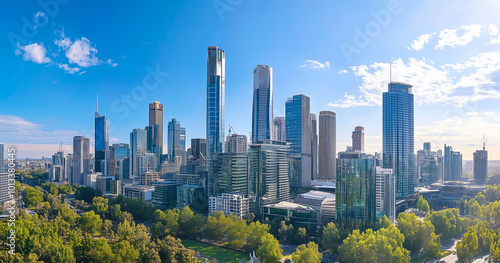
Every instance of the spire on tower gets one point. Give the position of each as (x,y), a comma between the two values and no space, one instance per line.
(97,106)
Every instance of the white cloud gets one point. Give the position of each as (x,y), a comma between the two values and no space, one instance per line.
(63,42)
(343,71)
(420,42)
(33,52)
(68,69)
(432,84)
(83,72)
(110,62)
(458,37)
(494,36)
(313,64)
(82,53)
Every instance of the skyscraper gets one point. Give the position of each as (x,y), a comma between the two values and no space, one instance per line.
(279,133)
(176,142)
(452,164)
(262,114)
(216,85)
(314,147)
(138,146)
(356,189)
(101,143)
(156,118)
(298,134)
(236,143)
(2,160)
(81,159)
(481,165)
(386,194)
(327,146)
(268,178)
(427,146)
(397,136)
(198,148)
(117,153)
(358,139)
(228,173)
(152,140)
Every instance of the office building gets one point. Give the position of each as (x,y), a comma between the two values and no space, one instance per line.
(314,147)
(427,146)
(2,158)
(147,162)
(115,187)
(198,148)
(452,164)
(398,136)
(147,178)
(56,173)
(268,178)
(216,86)
(356,189)
(279,133)
(481,165)
(143,192)
(230,203)
(101,148)
(327,146)
(358,139)
(5,193)
(298,135)
(228,172)
(81,159)
(117,153)
(236,143)
(192,196)
(125,165)
(103,183)
(68,169)
(262,111)
(138,146)
(152,134)
(156,119)
(176,142)
(386,194)
(165,193)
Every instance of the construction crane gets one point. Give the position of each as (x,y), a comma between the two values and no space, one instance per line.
(231,128)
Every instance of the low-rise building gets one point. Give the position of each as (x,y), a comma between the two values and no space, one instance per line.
(143,192)
(230,203)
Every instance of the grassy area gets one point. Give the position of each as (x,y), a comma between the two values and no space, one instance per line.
(220,253)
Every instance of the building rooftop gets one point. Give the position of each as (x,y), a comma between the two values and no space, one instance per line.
(290,205)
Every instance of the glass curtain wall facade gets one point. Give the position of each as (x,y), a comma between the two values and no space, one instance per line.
(262,113)
(216,85)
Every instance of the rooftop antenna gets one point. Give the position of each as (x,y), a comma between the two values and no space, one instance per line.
(97,106)
(485,140)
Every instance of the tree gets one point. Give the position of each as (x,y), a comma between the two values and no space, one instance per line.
(124,252)
(90,222)
(216,226)
(423,205)
(80,204)
(467,247)
(307,254)
(100,205)
(330,239)
(418,234)
(166,223)
(255,233)
(190,225)
(447,223)
(237,232)
(115,212)
(86,193)
(172,250)
(269,251)
(384,245)
(31,196)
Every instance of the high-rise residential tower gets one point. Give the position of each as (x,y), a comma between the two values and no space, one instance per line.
(138,146)
(2,160)
(358,139)
(216,86)
(481,165)
(397,136)
(298,135)
(452,164)
(236,143)
(156,118)
(327,146)
(101,143)
(81,159)
(198,148)
(117,153)
(262,113)
(279,133)
(314,147)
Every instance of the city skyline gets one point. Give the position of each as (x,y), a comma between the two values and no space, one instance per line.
(462,120)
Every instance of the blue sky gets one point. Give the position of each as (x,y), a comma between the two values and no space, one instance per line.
(53,69)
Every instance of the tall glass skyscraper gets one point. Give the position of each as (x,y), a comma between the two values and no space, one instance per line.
(481,165)
(327,146)
(314,147)
(358,139)
(228,173)
(117,153)
(2,158)
(138,146)
(262,113)
(355,192)
(81,159)
(216,86)
(279,133)
(298,135)
(152,140)
(176,142)
(101,143)
(156,118)
(397,136)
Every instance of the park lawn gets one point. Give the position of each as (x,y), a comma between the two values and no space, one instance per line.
(220,253)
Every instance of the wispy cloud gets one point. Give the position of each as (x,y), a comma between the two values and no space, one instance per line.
(313,64)
(420,42)
(343,71)
(432,83)
(68,69)
(33,52)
